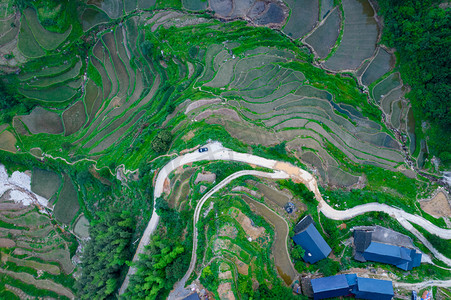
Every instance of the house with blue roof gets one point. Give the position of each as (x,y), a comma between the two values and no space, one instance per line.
(401,257)
(373,289)
(380,245)
(193,296)
(350,285)
(333,286)
(308,237)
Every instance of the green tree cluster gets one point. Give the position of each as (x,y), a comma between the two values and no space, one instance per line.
(10,101)
(328,267)
(105,255)
(276,292)
(157,270)
(298,189)
(298,252)
(420,31)
(161,141)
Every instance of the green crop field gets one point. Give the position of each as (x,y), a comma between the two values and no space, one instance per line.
(45,183)
(67,205)
(34,251)
(41,120)
(43,82)
(54,94)
(303,15)
(74,118)
(359,36)
(27,43)
(380,65)
(385,86)
(47,39)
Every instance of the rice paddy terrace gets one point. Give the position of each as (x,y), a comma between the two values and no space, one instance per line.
(98,101)
(307,75)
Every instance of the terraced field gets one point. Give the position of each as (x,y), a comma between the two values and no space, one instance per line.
(280,99)
(35,255)
(360,34)
(144,72)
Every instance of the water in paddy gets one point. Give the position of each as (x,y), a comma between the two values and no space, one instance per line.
(366,8)
(279,247)
(411,130)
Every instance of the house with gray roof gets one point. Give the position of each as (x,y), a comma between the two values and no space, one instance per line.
(384,245)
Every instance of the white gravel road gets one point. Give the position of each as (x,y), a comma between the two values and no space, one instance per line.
(217,152)
(179,289)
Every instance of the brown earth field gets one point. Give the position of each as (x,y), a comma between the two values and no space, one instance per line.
(438,206)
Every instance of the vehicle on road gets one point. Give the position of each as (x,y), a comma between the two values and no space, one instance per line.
(203,149)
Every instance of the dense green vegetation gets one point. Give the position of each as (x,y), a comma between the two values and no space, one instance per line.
(166,258)
(55,15)
(11,102)
(105,255)
(420,31)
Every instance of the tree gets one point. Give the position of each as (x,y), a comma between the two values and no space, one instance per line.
(420,31)
(150,280)
(328,267)
(161,141)
(105,254)
(146,48)
(298,252)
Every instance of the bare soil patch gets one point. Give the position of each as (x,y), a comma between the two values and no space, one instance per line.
(225,275)
(438,206)
(246,224)
(225,291)
(207,177)
(7,142)
(200,103)
(7,243)
(288,168)
(188,136)
(230,113)
(242,267)
(166,187)
(229,231)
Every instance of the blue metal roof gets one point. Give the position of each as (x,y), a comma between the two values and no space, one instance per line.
(416,260)
(329,283)
(328,287)
(313,243)
(352,279)
(374,289)
(193,296)
(401,257)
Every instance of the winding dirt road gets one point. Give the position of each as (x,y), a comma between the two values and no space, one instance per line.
(217,152)
(179,289)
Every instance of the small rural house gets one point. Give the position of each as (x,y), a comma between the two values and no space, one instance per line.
(333,286)
(307,236)
(373,289)
(353,286)
(383,245)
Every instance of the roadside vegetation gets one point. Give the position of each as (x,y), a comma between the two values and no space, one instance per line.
(166,258)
